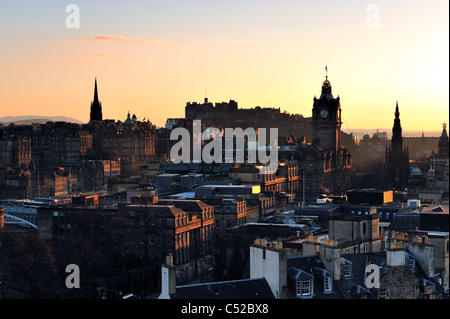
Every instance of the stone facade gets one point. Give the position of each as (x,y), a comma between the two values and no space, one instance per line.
(324,163)
(398,283)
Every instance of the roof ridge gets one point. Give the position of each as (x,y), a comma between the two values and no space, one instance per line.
(220,282)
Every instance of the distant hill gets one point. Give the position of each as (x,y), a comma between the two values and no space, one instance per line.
(29,119)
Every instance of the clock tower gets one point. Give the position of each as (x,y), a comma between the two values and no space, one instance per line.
(326,120)
(324,163)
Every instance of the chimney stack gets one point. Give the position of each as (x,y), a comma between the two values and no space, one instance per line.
(396,254)
(168,279)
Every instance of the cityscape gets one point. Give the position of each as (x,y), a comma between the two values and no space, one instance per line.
(222,200)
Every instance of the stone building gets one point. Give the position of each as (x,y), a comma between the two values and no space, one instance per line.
(432,185)
(284,179)
(233,204)
(15,150)
(53,144)
(329,274)
(356,229)
(157,231)
(131,142)
(325,164)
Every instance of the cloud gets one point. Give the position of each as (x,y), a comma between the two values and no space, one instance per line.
(85,54)
(111,38)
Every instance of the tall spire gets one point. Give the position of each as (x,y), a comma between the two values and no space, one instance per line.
(397,139)
(397,160)
(95,91)
(96,106)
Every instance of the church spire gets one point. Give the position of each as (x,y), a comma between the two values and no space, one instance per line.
(95,91)
(96,106)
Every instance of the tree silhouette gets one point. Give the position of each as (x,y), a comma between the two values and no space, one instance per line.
(26,261)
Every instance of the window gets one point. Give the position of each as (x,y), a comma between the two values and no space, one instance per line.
(383,294)
(428,290)
(328,284)
(365,248)
(347,270)
(381,215)
(306,287)
(364,228)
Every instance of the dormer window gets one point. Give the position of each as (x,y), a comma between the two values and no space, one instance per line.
(304,283)
(328,284)
(347,270)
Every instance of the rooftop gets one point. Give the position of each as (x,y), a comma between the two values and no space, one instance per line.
(238,289)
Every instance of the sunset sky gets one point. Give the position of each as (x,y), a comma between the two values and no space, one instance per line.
(151,57)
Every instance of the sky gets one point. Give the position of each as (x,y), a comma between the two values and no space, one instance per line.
(152,57)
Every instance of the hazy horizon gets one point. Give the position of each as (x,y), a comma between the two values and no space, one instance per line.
(360,132)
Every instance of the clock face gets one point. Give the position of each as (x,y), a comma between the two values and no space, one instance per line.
(324,113)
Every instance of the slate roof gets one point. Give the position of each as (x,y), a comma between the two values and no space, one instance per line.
(347,287)
(355,284)
(307,267)
(237,289)
(191,205)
